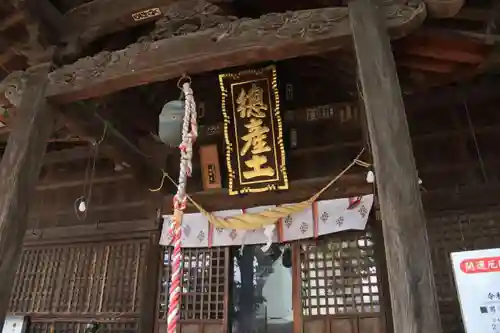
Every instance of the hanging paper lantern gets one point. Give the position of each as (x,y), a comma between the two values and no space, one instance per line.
(170,123)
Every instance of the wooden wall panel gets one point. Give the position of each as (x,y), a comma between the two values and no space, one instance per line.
(457,231)
(343,325)
(115,196)
(371,325)
(319,325)
(67,285)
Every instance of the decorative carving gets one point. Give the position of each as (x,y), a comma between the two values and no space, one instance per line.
(312,31)
(184,17)
(12,88)
(298,24)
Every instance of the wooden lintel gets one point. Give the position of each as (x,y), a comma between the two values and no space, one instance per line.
(214,200)
(19,171)
(244,41)
(104,230)
(414,301)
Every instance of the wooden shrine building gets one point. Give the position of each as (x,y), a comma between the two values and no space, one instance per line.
(288,94)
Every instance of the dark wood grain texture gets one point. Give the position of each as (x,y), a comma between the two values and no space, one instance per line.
(411,281)
(349,185)
(240,42)
(19,171)
(150,284)
(97,18)
(117,144)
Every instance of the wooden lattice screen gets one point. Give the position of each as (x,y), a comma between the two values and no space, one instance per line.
(341,284)
(456,232)
(45,326)
(78,282)
(204,284)
(339,276)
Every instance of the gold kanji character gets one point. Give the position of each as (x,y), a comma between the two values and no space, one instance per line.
(255,138)
(256,163)
(251,104)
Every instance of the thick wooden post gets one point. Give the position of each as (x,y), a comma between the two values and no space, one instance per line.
(150,284)
(19,171)
(411,281)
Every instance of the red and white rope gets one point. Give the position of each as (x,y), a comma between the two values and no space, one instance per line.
(189,134)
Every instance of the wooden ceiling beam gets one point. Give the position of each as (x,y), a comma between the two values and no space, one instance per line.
(101,17)
(442,53)
(272,37)
(99,13)
(115,144)
(426,64)
(83,120)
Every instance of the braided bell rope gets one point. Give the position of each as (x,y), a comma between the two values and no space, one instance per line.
(189,134)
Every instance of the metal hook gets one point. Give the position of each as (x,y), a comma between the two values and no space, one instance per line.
(184,77)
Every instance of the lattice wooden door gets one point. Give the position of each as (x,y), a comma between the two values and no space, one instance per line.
(341,285)
(68,285)
(204,290)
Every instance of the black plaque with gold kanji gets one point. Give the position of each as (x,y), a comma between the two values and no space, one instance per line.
(253,131)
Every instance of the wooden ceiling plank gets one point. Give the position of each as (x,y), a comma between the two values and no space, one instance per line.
(272,37)
(456,55)
(426,64)
(437,37)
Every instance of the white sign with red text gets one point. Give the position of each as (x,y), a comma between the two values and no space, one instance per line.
(477,277)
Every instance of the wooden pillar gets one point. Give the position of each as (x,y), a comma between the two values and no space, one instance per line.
(19,171)
(150,284)
(411,281)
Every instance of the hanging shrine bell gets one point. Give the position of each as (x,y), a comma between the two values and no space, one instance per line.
(170,123)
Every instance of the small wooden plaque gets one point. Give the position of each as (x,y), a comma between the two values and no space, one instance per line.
(210,167)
